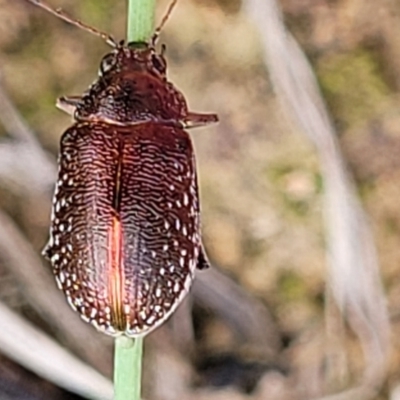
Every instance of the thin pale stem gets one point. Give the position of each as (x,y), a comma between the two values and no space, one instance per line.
(127,368)
(140,20)
(128,352)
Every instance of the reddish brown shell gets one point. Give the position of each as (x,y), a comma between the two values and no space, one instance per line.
(125,233)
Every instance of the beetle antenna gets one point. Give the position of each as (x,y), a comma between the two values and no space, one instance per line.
(59,13)
(157,31)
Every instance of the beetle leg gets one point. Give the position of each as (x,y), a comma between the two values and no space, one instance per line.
(194,120)
(69,104)
(202,261)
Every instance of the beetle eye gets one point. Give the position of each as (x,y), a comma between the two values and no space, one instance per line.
(158,63)
(107,63)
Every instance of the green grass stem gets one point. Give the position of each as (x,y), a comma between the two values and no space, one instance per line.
(127,368)
(128,352)
(140,20)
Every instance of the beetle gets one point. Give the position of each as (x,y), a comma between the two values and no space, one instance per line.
(125,224)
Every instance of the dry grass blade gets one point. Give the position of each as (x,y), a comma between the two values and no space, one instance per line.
(354,271)
(20,341)
(248,317)
(24,166)
(12,122)
(182,327)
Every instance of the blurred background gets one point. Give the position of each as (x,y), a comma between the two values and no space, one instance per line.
(300,207)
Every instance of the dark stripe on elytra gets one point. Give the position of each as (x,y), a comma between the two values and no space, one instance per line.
(116,201)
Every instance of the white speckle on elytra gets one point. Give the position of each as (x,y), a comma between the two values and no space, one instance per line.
(177,224)
(70,301)
(188,282)
(93,312)
(185,199)
(142,314)
(85,318)
(78,301)
(57,206)
(165,247)
(151,319)
(182,261)
(158,292)
(178,204)
(172,268)
(184,252)
(169,204)
(166,225)
(177,287)
(127,308)
(153,254)
(107,310)
(62,277)
(55,258)
(59,284)
(162,271)
(95,324)
(184,230)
